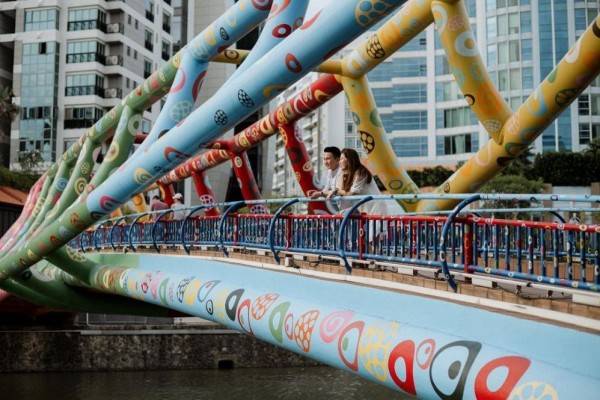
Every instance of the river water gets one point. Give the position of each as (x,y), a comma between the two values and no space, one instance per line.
(317,383)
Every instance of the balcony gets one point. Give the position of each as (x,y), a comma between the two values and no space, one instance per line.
(115,28)
(148,45)
(114,60)
(165,56)
(84,91)
(167,28)
(168,2)
(114,93)
(149,16)
(86,25)
(78,123)
(86,57)
(147,74)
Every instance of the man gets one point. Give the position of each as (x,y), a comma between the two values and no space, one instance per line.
(331,160)
(178,214)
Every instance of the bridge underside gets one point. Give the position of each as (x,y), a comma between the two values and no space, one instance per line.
(421,341)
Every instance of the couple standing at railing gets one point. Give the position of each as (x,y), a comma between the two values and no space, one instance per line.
(346,176)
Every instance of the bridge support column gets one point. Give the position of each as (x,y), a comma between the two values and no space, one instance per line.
(247,181)
(205,192)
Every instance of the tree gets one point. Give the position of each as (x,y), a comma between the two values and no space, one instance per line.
(30,160)
(8,111)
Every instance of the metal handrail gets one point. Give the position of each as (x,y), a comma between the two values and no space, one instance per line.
(233,207)
(131,230)
(271,231)
(449,221)
(112,228)
(187,217)
(342,232)
(155,224)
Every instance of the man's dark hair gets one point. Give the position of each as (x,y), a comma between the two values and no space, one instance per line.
(333,150)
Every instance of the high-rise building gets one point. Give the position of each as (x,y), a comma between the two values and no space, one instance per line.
(423,111)
(70,61)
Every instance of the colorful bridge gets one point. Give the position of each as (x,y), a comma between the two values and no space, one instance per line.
(67,252)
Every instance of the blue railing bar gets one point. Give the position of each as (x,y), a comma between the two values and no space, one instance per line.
(131,246)
(342,230)
(184,223)
(112,228)
(271,231)
(444,263)
(155,224)
(234,206)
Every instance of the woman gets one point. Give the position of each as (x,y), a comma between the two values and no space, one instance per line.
(355,179)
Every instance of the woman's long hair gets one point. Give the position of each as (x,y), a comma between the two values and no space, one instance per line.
(355,169)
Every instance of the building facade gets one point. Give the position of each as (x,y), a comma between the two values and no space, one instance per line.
(70,61)
(423,111)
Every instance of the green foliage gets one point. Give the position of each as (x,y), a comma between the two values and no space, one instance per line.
(30,160)
(569,169)
(430,176)
(8,110)
(18,180)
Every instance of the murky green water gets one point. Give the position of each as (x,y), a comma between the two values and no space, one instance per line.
(260,384)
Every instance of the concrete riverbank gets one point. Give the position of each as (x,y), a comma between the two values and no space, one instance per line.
(118,348)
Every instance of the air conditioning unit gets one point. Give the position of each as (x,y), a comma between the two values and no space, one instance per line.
(111,93)
(113,60)
(113,28)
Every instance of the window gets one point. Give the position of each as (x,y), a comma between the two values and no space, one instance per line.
(502,53)
(149,8)
(82,117)
(404,120)
(446,91)
(41,20)
(491,27)
(137,25)
(147,68)
(85,85)
(85,51)
(455,117)
(492,55)
(135,54)
(595,104)
(527,78)
(128,51)
(515,79)
(399,67)
(503,80)
(401,94)
(410,146)
(81,19)
(456,144)
(525,22)
(502,24)
(513,23)
(148,40)
(514,53)
(128,19)
(526,50)
(166,25)
(127,83)
(586,135)
(166,50)
(441,65)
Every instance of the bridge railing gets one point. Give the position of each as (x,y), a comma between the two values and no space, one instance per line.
(554,253)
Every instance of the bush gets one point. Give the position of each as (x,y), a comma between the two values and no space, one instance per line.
(18,180)
(430,176)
